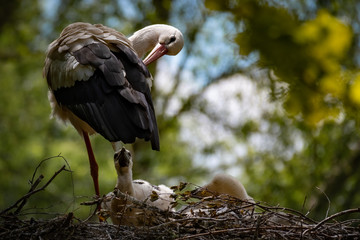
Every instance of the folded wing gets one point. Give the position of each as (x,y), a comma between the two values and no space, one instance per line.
(105,85)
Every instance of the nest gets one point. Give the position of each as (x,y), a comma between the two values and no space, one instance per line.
(211,217)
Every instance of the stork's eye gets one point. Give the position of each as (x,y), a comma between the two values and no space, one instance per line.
(172,39)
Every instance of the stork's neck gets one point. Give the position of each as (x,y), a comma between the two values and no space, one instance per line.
(145,39)
(124,183)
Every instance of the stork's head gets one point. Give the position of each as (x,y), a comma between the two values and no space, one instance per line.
(123,161)
(170,42)
(162,39)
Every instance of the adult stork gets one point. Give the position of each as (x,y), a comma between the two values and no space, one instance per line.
(99,83)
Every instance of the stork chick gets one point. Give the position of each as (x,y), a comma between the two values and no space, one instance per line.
(121,210)
(220,185)
(225,184)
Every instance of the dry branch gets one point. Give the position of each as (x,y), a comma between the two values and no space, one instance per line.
(31,192)
(348,211)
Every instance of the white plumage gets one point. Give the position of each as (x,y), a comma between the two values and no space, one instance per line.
(220,187)
(226,184)
(123,211)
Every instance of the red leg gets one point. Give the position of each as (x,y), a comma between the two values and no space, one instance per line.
(93,165)
(93,169)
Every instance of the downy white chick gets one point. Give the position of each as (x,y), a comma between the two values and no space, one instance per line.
(122,211)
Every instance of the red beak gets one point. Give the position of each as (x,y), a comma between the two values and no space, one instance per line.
(158,51)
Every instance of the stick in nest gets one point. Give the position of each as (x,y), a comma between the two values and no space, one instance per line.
(348,211)
(22,201)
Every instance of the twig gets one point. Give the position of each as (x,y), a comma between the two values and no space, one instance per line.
(26,196)
(187,219)
(68,169)
(32,188)
(97,201)
(68,219)
(91,215)
(288,210)
(47,159)
(242,230)
(108,235)
(354,210)
(328,209)
(90,203)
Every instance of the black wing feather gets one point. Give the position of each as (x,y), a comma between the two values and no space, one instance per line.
(117,106)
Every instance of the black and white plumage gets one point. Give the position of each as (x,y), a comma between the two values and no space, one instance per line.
(98,82)
(116,100)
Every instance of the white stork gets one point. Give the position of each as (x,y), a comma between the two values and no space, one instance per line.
(98,82)
(121,210)
(225,184)
(220,186)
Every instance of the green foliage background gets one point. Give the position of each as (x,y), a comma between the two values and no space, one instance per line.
(304,54)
